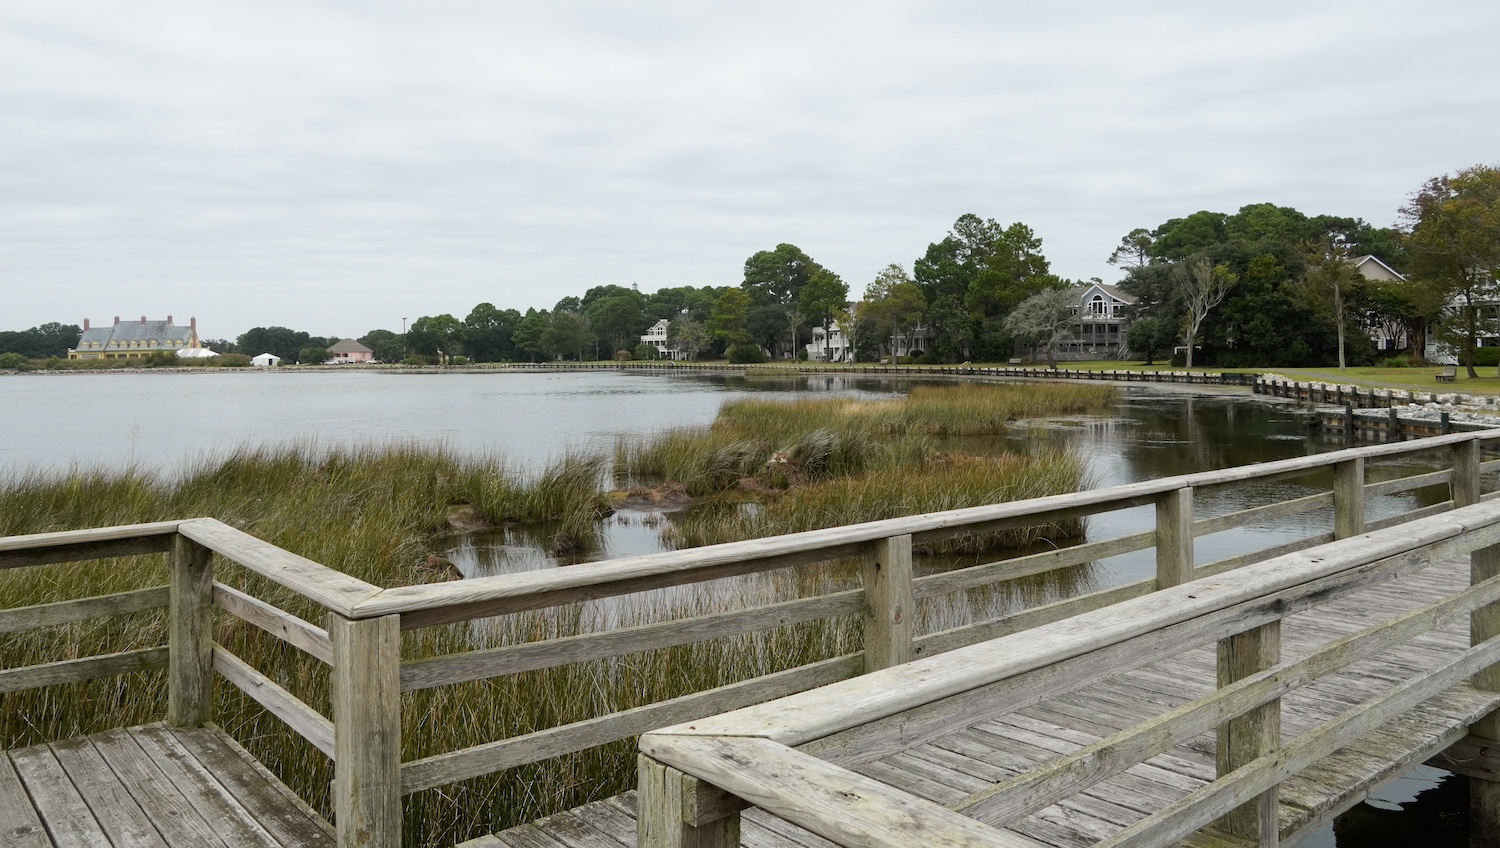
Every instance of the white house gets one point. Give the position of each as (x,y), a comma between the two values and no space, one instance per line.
(656,336)
(839,349)
(265,360)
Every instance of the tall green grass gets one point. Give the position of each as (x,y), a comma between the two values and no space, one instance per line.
(786,442)
(374,513)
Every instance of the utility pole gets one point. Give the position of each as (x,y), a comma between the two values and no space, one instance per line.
(403,326)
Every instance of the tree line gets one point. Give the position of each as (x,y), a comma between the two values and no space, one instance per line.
(1265,286)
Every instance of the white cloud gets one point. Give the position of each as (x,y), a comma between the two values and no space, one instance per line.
(257,163)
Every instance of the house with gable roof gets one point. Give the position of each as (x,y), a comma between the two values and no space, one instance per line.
(1102,324)
(349,351)
(134,339)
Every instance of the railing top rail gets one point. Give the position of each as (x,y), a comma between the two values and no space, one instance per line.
(43,541)
(516,592)
(333,589)
(801,718)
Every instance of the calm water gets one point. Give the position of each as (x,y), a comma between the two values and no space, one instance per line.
(170,420)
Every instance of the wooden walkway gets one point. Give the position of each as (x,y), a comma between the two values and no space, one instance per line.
(152,787)
(954,766)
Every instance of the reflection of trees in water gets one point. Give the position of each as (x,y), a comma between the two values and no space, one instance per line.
(1437,818)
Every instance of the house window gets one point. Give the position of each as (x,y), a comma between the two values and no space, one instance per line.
(1097,306)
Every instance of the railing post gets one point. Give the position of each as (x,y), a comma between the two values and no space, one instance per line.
(677,810)
(367,730)
(1174,538)
(888,603)
(1349,498)
(1466,473)
(1484,624)
(1252,735)
(190,670)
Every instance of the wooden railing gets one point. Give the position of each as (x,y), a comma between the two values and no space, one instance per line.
(360,635)
(791,757)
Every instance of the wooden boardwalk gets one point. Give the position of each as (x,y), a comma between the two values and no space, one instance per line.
(954,766)
(149,787)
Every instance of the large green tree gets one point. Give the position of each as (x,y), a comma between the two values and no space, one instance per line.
(729,322)
(894,305)
(42,341)
(529,333)
(1453,223)
(823,297)
(777,276)
(489,333)
(281,341)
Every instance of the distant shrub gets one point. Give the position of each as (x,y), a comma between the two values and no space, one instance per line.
(458,360)
(416,359)
(14,362)
(647,352)
(161,359)
(1487,356)
(1179,359)
(802,355)
(623,355)
(745,353)
(1402,361)
(231,360)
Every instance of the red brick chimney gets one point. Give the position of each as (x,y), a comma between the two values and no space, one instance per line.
(85,323)
(193,326)
(169,320)
(117,319)
(143,319)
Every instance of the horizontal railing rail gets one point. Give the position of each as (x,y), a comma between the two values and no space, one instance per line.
(360,637)
(790,756)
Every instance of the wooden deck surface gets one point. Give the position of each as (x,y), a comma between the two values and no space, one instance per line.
(954,766)
(152,787)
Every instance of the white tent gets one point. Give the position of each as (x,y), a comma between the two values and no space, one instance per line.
(265,360)
(195,353)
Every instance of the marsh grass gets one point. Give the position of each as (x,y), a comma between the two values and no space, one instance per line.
(374,512)
(786,442)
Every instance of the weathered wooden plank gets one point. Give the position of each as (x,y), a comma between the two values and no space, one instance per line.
(831,802)
(661,820)
(306,721)
(1349,498)
(333,589)
(1262,514)
(176,819)
(990,573)
(514,659)
(118,814)
(800,718)
(190,675)
(1466,484)
(1408,483)
(367,731)
(442,769)
(947,640)
(277,622)
(1410,515)
(82,609)
(1234,563)
(1174,538)
(85,668)
(1089,765)
(277,809)
(889,608)
(61,808)
(1228,792)
(19,821)
(1255,734)
(201,789)
(78,545)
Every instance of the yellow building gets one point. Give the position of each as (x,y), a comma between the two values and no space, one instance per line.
(134,339)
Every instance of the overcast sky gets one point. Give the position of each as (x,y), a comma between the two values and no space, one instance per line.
(335,167)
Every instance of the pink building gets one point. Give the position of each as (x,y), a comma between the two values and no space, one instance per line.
(349,350)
